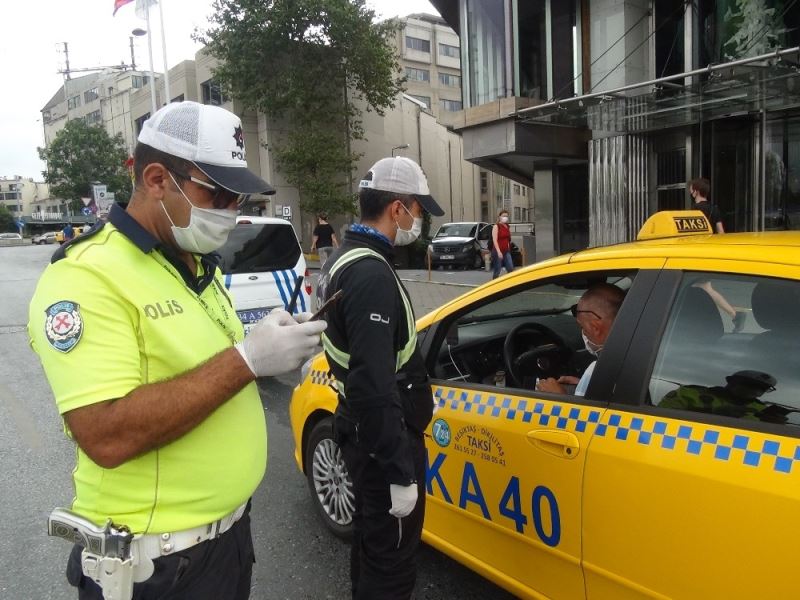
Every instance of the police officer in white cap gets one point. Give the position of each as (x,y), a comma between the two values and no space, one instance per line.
(152,373)
(385,400)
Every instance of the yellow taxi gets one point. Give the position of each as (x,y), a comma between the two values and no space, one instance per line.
(676,475)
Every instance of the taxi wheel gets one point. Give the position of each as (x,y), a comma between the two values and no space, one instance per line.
(328,480)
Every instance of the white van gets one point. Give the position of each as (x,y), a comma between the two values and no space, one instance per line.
(262,261)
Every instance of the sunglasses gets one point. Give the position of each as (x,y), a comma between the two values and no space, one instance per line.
(221,198)
(574,310)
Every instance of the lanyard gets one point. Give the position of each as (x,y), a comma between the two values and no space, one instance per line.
(221,323)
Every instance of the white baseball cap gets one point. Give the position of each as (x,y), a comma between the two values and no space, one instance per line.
(208,136)
(401,175)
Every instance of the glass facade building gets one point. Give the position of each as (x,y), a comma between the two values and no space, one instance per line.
(610,108)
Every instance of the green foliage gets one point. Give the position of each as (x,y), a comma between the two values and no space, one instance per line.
(756,28)
(81,154)
(312,64)
(6,220)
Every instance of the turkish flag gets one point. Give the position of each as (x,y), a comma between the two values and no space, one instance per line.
(119,3)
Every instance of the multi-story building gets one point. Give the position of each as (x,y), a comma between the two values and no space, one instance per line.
(23,197)
(608,108)
(430,56)
(102,98)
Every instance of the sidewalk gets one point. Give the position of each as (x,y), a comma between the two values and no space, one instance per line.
(426,295)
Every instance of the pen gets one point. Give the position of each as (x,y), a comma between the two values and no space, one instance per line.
(295,294)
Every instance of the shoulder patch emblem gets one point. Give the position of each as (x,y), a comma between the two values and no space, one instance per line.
(64,325)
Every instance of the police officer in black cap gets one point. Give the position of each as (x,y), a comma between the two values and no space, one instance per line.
(385,400)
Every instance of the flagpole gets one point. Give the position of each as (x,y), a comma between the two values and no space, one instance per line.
(168,98)
(150,51)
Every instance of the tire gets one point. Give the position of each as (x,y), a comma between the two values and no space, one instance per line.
(328,481)
(477,262)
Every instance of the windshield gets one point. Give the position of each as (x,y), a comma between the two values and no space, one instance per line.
(457,230)
(252,248)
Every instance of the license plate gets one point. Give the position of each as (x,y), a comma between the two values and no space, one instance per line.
(447,257)
(253,315)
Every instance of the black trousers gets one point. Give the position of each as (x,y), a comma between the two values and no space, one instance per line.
(383,554)
(214,570)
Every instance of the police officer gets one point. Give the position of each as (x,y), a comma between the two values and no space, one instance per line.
(151,370)
(385,400)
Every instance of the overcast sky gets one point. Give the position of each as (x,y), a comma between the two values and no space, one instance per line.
(30,56)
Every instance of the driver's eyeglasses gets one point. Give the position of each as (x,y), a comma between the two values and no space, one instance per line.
(574,310)
(221,198)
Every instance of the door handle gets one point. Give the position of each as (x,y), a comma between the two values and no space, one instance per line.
(564,444)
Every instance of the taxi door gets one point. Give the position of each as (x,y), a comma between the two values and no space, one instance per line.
(680,503)
(505,466)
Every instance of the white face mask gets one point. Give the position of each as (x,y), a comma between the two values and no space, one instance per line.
(504,219)
(207,230)
(404,237)
(592,348)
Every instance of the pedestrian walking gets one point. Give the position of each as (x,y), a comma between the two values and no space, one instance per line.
(151,371)
(324,239)
(385,400)
(501,245)
(699,190)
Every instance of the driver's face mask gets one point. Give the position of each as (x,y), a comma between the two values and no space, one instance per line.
(591,347)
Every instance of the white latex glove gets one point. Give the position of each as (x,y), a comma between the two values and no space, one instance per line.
(278,343)
(404,498)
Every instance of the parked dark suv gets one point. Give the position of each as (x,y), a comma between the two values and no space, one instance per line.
(461,244)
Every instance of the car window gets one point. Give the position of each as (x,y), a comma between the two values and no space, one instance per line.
(457,230)
(532,326)
(253,248)
(730,349)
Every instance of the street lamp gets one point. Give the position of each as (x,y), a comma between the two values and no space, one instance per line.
(400,147)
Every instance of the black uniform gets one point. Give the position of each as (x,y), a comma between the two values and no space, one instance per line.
(380,420)
(710,211)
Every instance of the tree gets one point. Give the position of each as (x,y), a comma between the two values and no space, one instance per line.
(6,219)
(313,64)
(81,154)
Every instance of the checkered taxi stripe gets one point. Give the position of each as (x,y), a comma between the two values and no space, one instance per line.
(322,377)
(668,435)
(672,436)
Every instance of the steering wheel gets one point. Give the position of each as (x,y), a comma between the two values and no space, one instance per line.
(542,360)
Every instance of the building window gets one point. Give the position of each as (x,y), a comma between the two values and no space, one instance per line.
(532,49)
(449,80)
(517,190)
(139,123)
(671,179)
(484,182)
(487,50)
(212,93)
(93,118)
(178,98)
(517,214)
(90,95)
(418,44)
(73,102)
(450,51)
(450,105)
(524,191)
(139,81)
(425,99)
(413,74)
